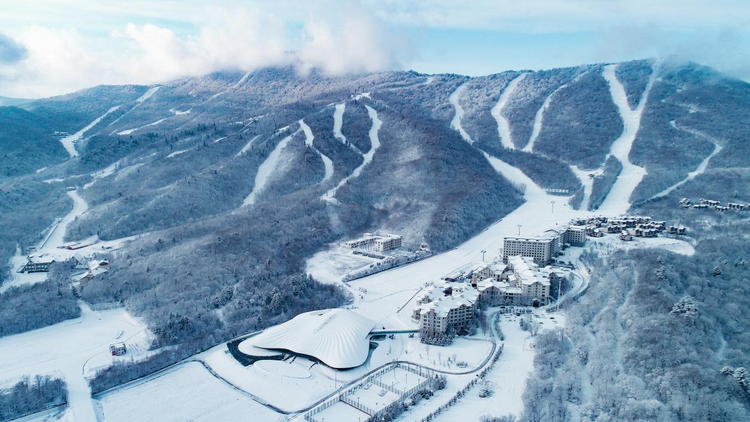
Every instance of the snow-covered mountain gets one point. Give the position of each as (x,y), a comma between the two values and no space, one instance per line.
(232,180)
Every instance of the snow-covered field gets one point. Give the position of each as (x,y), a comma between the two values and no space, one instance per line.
(330,265)
(186,393)
(64,349)
(613,242)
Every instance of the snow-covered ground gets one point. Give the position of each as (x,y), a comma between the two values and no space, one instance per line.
(610,243)
(69,141)
(265,170)
(63,349)
(618,198)
(185,393)
(503,128)
(508,377)
(375,144)
(309,138)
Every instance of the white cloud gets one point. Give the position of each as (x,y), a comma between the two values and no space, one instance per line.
(350,40)
(62,60)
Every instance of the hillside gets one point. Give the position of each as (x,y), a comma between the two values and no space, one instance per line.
(232,180)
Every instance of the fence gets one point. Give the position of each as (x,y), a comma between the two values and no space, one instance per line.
(374,379)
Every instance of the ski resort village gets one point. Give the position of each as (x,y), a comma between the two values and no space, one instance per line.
(390,247)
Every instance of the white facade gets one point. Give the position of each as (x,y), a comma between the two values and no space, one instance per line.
(379,243)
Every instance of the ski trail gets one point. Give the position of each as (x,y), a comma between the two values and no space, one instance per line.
(265,170)
(537,128)
(129,131)
(309,137)
(244,149)
(375,144)
(701,167)
(503,127)
(618,199)
(146,95)
(338,122)
(587,182)
(456,122)
(68,142)
(515,176)
(235,86)
(151,91)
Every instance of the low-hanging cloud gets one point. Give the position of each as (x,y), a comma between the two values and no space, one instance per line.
(10,51)
(350,40)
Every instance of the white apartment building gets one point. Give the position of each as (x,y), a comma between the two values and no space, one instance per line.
(378,243)
(543,248)
(533,280)
(441,307)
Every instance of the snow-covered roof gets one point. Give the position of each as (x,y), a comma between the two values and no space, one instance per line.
(336,337)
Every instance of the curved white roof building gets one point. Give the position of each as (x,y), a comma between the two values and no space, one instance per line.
(336,337)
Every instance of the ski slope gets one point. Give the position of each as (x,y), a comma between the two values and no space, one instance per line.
(244,149)
(129,131)
(69,142)
(338,121)
(309,138)
(701,167)
(537,127)
(587,182)
(631,175)
(459,113)
(265,170)
(503,128)
(374,145)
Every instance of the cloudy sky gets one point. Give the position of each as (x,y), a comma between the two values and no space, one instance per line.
(50,47)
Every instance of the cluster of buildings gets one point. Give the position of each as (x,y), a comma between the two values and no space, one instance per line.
(375,242)
(520,282)
(542,249)
(716,205)
(627,227)
(84,269)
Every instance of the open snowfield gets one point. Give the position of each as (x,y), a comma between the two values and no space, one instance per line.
(271,381)
(332,264)
(65,348)
(341,412)
(613,242)
(187,393)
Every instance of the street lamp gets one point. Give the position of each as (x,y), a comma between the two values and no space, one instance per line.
(553,207)
(519,229)
(483,252)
